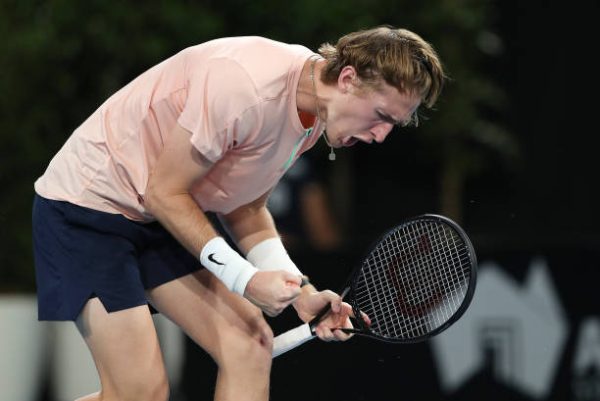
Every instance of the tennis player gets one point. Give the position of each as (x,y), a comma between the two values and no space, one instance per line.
(119,215)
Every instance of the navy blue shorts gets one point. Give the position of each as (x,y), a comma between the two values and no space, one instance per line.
(82,253)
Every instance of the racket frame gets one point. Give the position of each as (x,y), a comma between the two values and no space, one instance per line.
(350,285)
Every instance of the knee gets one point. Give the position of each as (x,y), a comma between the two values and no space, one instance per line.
(259,337)
(264,337)
(258,344)
(252,348)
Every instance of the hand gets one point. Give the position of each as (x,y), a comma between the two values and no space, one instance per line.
(273,291)
(310,304)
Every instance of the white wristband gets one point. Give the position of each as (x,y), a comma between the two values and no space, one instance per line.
(270,254)
(225,263)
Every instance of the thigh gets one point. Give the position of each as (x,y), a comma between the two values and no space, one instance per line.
(211,315)
(124,346)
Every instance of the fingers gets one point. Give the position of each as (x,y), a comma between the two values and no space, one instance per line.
(292,279)
(365,318)
(331,328)
(333,299)
(286,294)
(332,334)
(292,288)
(340,335)
(273,291)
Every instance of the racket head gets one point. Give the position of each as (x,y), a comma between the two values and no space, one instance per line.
(415,282)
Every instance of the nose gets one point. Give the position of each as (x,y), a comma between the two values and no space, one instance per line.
(381,131)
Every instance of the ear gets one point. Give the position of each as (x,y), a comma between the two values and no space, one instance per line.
(347,79)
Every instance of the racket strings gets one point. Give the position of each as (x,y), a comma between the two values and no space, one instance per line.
(414,281)
(424,299)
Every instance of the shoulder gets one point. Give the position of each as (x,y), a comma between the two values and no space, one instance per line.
(244,46)
(260,60)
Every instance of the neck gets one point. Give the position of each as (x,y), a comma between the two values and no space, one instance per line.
(313,80)
(305,98)
(314,86)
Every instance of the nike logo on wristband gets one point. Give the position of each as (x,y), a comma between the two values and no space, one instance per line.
(212,259)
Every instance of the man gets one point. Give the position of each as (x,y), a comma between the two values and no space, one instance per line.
(119,216)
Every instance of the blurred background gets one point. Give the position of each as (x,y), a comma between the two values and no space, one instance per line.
(509,153)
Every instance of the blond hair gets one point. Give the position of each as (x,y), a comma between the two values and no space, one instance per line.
(399,57)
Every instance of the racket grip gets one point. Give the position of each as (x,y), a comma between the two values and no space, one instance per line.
(291,339)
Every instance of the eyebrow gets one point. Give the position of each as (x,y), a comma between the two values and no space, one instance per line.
(389,119)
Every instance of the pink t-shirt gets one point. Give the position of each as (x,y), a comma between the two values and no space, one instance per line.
(237,97)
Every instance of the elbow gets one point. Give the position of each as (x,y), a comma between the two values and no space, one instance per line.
(160,200)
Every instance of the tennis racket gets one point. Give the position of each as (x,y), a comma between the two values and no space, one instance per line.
(417,280)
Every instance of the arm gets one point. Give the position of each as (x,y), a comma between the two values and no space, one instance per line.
(251,225)
(169,199)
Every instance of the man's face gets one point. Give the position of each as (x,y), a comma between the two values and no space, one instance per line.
(362,114)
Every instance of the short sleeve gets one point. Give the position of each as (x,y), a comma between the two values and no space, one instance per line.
(222,106)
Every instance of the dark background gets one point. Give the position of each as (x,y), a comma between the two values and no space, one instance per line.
(510,151)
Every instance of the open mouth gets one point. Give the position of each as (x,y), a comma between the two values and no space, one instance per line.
(352,140)
(349,141)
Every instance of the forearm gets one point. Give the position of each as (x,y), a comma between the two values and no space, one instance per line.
(182,217)
(187,222)
(250,225)
(167,196)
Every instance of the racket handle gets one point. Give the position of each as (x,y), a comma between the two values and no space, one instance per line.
(291,339)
